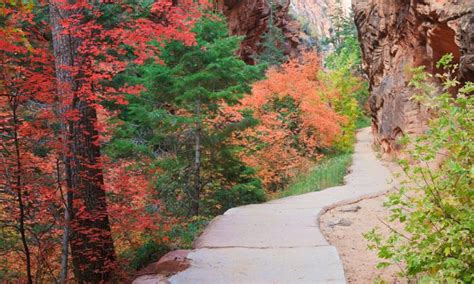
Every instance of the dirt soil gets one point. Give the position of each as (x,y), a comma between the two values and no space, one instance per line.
(344,227)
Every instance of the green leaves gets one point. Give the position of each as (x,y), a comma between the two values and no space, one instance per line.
(187,97)
(436,204)
(346,91)
(445,62)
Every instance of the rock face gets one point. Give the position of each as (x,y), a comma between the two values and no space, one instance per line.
(249,18)
(317,14)
(398,34)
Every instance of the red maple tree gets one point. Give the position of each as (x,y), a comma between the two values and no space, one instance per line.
(52,165)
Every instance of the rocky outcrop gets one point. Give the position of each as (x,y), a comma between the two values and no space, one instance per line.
(467,48)
(249,18)
(398,34)
(316,14)
(170,264)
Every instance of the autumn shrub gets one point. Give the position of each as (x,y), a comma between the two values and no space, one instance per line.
(53,214)
(295,122)
(435,205)
(30,203)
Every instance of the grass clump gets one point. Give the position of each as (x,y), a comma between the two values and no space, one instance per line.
(330,172)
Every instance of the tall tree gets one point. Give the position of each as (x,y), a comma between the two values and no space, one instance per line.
(25,94)
(181,122)
(272,41)
(91,238)
(93,42)
(51,122)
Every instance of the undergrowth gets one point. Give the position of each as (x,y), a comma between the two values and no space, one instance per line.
(330,172)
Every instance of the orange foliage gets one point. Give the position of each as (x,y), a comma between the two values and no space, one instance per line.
(287,140)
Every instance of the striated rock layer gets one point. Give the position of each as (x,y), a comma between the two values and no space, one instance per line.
(249,18)
(398,34)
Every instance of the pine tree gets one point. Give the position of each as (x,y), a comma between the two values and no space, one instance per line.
(180,121)
(272,42)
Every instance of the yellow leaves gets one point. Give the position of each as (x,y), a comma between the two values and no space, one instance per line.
(11,32)
(7,6)
(3,10)
(24,39)
(18,3)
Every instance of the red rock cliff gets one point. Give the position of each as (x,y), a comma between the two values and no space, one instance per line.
(249,18)
(398,34)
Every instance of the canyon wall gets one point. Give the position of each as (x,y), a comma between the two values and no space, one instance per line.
(317,14)
(398,34)
(249,18)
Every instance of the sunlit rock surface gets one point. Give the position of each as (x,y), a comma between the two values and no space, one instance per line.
(317,14)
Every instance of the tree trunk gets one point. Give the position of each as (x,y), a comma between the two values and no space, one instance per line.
(65,244)
(21,205)
(197,160)
(67,199)
(91,241)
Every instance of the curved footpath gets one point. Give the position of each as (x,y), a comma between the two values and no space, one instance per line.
(280,241)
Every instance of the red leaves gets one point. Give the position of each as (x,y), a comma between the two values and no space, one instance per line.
(36,117)
(132,209)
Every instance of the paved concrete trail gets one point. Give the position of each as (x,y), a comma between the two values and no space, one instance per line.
(280,241)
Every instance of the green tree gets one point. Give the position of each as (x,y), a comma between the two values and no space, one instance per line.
(272,42)
(180,122)
(346,47)
(347,90)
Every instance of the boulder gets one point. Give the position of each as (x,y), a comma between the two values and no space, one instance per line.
(168,265)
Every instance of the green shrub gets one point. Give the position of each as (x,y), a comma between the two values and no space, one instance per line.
(436,204)
(179,121)
(272,45)
(344,87)
(240,194)
(342,91)
(363,121)
(148,253)
(183,234)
